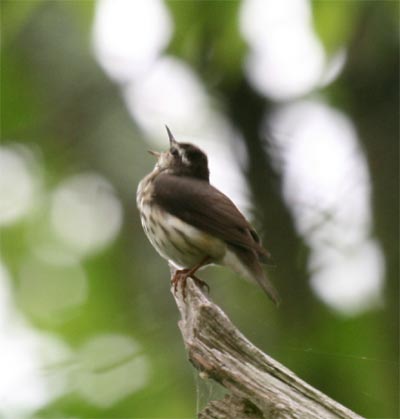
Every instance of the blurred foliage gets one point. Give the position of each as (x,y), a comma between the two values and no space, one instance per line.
(208,38)
(328,19)
(56,100)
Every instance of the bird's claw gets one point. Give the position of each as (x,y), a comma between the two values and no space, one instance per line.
(182,276)
(201,284)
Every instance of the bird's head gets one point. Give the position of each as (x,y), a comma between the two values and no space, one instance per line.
(182,159)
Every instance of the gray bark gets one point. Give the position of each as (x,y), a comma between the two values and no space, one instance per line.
(258,386)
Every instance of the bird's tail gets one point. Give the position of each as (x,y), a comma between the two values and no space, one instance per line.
(267,286)
(251,268)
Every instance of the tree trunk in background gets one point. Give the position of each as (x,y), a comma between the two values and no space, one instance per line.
(248,112)
(371,78)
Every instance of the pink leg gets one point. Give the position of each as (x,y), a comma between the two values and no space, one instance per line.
(184,274)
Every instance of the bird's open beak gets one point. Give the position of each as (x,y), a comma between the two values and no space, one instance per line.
(172,140)
(154,153)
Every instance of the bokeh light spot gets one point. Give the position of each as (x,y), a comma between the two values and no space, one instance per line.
(111,367)
(128,35)
(85,213)
(17,184)
(24,354)
(169,93)
(286,57)
(351,281)
(327,187)
(50,290)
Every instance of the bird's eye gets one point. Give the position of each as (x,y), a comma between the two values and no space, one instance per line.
(174,152)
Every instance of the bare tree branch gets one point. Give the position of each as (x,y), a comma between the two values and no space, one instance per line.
(258,386)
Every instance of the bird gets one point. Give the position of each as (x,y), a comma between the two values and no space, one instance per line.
(192,224)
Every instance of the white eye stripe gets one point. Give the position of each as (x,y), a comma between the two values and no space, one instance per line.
(183,156)
(185,160)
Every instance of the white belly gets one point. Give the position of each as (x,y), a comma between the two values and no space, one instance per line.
(178,242)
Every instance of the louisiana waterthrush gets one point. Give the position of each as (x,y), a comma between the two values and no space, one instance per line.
(192,224)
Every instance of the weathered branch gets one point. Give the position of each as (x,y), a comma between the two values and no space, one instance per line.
(258,386)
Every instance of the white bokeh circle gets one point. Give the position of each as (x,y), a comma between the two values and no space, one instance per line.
(85,213)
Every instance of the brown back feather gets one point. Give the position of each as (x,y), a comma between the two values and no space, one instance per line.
(200,204)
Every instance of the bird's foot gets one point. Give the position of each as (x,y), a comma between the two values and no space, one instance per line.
(182,275)
(200,283)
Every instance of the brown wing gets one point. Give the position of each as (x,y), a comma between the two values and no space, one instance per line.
(203,206)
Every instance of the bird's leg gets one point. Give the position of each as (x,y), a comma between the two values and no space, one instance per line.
(200,283)
(184,274)
(179,275)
